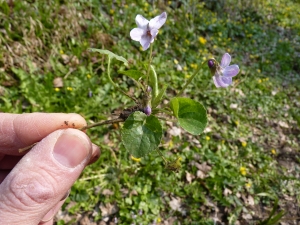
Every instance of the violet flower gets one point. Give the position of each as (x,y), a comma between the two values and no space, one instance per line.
(223,73)
(147,30)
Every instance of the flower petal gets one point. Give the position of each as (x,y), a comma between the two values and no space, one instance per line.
(141,22)
(136,34)
(219,82)
(231,71)
(145,41)
(158,21)
(226,80)
(153,33)
(225,60)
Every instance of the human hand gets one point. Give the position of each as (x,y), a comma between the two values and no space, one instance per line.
(33,186)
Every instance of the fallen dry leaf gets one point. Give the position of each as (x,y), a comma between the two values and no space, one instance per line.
(58,82)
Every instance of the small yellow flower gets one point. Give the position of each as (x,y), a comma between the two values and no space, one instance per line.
(176,61)
(185,68)
(202,40)
(187,76)
(258,70)
(237,122)
(61,52)
(273,151)
(158,220)
(69,88)
(194,65)
(207,138)
(111,11)
(244,144)
(135,159)
(88,76)
(56,89)
(259,80)
(243,170)
(187,41)
(248,185)
(223,141)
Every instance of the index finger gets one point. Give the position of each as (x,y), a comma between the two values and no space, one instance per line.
(21,130)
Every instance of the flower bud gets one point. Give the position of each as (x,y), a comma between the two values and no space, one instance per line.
(147,110)
(211,63)
(149,89)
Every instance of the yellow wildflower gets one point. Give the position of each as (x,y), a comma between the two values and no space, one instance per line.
(273,151)
(176,61)
(111,11)
(259,80)
(207,138)
(194,65)
(135,159)
(202,40)
(243,170)
(244,144)
(88,76)
(69,88)
(61,52)
(248,185)
(56,89)
(158,220)
(185,68)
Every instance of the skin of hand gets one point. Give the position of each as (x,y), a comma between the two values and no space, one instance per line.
(34,184)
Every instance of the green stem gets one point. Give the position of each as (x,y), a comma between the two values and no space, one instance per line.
(102,123)
(164,111)
(191,78)
(114,84)
(150,61)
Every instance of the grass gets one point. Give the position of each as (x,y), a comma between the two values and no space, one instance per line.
(248,156)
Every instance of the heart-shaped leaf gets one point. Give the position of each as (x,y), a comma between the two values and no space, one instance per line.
(191,115)
(141,134)
(110,55)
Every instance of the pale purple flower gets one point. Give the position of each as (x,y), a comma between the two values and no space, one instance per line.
(223,73)
(147,30)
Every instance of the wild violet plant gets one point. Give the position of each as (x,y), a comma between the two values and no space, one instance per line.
(142,130)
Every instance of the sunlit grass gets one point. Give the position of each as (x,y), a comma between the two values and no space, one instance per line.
(253,125)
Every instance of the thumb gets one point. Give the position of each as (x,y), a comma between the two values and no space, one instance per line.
(43,176)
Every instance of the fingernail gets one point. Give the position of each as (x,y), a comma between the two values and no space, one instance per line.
(71,150)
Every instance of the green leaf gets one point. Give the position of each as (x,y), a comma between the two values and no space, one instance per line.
(141,134)
(133,74)
(155,101)
(110,54)
(191,115)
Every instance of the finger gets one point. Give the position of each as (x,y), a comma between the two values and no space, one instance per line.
(95,154)
(43,176)
(50,215)
(21,130)
(3,174)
